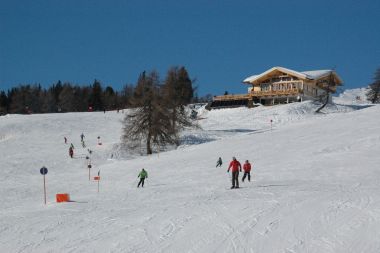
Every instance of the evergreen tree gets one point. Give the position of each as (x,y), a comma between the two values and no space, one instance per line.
(110,98)
(177,94)
(96,100)
(3,103)
(185,86)
(66,98)
(373,94)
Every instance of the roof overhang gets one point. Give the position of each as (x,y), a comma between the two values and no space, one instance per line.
(305,75)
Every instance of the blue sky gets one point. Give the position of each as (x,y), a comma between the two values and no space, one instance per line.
(219,42)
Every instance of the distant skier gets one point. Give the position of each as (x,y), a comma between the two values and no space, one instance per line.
(83,144)
(71,146)
(71,152)
(142,175)
(236,166)
(65,139)
(82,137)
(247,171)
(219,162)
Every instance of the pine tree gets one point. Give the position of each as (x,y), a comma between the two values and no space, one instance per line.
(66,98)
(373,94)
(177,94)
(3,103)
(96,100)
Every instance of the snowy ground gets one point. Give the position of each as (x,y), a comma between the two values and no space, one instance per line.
(315,187)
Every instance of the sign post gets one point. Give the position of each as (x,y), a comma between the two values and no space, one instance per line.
(43,172)
(89,172)
(98,180)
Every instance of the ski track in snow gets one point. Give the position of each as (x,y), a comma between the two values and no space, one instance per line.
(314,188)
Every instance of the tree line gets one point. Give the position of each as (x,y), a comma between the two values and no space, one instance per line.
(69,97)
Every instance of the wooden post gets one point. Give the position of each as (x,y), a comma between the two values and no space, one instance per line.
(43,172)
(44,189)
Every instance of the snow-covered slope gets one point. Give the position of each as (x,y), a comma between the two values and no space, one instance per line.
(353,96)
(315,186)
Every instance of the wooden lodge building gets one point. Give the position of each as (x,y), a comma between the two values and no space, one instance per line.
(281,85)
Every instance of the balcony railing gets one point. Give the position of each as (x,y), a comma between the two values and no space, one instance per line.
(232,97)
(270,93)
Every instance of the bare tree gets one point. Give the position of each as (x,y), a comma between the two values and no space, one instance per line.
(149,120)
(329,87)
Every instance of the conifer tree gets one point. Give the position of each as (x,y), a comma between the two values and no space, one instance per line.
(373,94)
(177,94)
(3,103)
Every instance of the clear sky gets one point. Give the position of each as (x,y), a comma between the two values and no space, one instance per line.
(219,42)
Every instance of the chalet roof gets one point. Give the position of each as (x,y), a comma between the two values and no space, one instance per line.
(311,75)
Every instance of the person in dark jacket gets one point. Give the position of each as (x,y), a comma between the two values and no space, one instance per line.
(247,171)
(219,162)
(142,175)
(236,167)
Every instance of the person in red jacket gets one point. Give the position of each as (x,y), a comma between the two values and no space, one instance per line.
(247,171)
(71,152)
(236,166)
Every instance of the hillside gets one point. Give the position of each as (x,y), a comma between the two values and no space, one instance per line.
(315,185)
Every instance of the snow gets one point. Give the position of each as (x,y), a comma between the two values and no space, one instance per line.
(315,183)
(353,97)
(315,74)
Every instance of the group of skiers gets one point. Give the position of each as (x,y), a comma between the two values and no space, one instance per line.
(235,167)
(142,175)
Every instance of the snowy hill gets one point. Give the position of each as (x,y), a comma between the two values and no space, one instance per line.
(315,185)
(353,96)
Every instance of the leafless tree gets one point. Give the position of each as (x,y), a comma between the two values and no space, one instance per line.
(149,121)
(329,87)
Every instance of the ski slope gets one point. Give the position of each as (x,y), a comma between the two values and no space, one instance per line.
(315,184)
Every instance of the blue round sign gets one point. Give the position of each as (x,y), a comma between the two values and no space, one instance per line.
(43,171)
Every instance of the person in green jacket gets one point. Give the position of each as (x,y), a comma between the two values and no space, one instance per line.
(142,175)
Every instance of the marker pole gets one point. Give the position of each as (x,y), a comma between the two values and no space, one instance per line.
(44,190)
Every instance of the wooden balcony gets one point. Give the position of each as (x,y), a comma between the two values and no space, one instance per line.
(275,93)
(258,94)
(232,97)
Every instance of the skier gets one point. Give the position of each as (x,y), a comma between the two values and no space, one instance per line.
(65,139)
(71,146)
(83,144)
(247,171)
(71,152)
(219,162)
(142,175)
(82,137)
(236,166)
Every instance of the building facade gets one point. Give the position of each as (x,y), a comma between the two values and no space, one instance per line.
(282,85)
